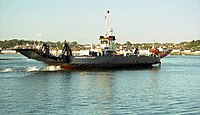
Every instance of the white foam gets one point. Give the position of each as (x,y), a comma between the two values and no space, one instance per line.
(51,68)
(48,68)
(6,70)
(31,69)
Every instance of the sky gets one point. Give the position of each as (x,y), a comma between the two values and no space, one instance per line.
(137,21)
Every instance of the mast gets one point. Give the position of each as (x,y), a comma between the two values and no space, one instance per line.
(109,31)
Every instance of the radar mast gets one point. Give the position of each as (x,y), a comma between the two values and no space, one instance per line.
(107,41)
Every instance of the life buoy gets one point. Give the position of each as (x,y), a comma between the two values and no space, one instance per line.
(154,51)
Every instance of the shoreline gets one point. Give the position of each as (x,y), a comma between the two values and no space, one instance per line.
(186,53)
(197,53)
(8,52)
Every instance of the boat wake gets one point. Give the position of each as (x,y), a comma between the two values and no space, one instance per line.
(6,70)
(46,69)
(32,69)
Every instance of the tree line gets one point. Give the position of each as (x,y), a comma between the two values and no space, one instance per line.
(192,45)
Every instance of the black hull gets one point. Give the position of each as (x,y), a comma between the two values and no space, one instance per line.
(103,66)
(38,55)
(91,62)
(164,53)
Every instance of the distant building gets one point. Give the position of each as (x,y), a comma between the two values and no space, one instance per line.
(187,51)
(89,46)
(8,51)
(175,50)
(196,53)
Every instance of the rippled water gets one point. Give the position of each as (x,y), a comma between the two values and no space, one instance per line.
(31,87)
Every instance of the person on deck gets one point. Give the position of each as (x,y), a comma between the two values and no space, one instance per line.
(66,49)
(136,51)
(45,48)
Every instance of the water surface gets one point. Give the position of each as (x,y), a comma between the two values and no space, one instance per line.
(31,87)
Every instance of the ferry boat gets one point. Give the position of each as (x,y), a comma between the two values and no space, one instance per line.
(103,58)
